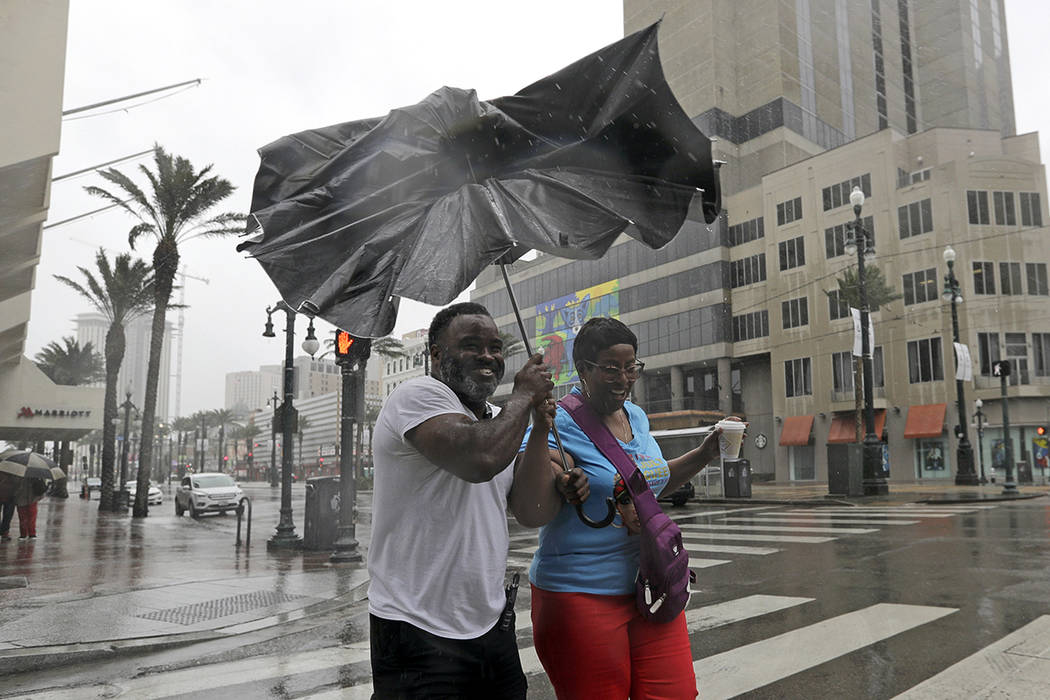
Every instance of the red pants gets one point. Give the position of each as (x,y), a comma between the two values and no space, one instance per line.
(27,520)
(598,646)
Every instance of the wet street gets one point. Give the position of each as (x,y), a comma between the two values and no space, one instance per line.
(871,601)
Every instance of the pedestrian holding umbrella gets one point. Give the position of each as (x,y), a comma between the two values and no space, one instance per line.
(23,464)
(32,472)
(349,218)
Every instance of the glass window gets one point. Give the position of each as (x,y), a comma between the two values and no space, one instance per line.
(1036,274)
(915,219)
(987,351)
(792,253)
(1010,278)
(920,286)
(1017,354)
(797,377)
(1041,354)
(924,361)
(931,457)
(842,370)
(1004,209)
(789,211)
(837,307)
(1031,209)
(795,312)
(977,206)
(983,278)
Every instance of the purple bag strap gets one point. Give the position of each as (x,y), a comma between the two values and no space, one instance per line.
(592,426)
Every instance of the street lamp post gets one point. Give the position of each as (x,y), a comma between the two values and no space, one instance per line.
(965,475)
(121,500)
(273,440)
(874,483)
(352,369)
(285,537)
(978,416)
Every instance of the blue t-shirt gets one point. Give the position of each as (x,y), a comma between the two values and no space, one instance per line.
(573,557)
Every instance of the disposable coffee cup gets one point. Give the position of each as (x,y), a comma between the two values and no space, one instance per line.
(731,438)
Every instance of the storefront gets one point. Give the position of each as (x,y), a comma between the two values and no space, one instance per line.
(797,436)
(931,452)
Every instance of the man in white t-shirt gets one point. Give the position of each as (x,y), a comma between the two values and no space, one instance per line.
(438,551)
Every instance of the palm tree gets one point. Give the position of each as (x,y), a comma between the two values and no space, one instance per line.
(248,433)
(221,417)
(512,344)
(70,364)
(201,422)
(174,211)
(879,293)
(120,292)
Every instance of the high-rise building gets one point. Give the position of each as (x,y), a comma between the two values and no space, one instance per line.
(911,103)
(92,328)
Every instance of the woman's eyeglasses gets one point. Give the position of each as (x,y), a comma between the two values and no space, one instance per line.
(610,373)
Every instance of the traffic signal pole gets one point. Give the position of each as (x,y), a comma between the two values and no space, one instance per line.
(351,354)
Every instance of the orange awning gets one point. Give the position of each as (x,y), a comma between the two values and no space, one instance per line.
(796,430)
(925,421)
(844,426)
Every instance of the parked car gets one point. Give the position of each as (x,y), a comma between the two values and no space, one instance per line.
(207,492)
(153,498)
(91,483)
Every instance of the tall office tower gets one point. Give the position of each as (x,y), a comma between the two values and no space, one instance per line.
(908,101)
(92,327)
(777,82)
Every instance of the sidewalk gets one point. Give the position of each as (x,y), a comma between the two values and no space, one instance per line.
(97,585)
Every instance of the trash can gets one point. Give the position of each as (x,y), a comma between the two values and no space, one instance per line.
(321,522)
(846,470)
(736,478)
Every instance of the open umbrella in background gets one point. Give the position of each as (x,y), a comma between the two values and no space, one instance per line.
(349,218)
(22,464)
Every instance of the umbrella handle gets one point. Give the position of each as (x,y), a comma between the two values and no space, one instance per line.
(596,524)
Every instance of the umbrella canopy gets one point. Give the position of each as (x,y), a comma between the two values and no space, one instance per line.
(351,217)
(28,465)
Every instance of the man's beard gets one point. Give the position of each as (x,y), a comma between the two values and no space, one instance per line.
(467,387)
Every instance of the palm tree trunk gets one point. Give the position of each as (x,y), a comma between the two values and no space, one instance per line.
(115,345)
(165,265)
(858,395)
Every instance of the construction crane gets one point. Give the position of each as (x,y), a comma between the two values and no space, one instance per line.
(182,334)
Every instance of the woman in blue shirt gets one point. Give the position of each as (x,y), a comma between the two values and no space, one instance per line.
(588,633)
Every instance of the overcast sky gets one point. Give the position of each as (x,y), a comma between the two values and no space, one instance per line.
(272,67)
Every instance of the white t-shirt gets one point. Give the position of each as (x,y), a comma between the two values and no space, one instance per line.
(439,544)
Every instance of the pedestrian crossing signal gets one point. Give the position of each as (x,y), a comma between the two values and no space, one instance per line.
(350,349)
(1040,430)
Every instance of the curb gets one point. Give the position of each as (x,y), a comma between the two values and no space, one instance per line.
(23,659)
(983,499)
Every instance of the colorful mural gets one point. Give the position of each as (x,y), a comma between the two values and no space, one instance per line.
(558,321)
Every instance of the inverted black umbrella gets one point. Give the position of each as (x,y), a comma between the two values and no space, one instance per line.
(349,218)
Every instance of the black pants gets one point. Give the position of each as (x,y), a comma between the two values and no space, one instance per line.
(410,663)
(7,511)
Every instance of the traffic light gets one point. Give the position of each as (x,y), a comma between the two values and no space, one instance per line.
(350,349)
(1040,430)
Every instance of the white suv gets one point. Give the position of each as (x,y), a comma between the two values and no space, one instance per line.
(207,492)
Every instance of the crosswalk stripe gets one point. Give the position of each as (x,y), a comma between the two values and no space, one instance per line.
(734,672)
(755,537)
(899,510)
(525,550)
(729,549)
(833,524)
(778,528)
(1016,666)
(833,514)
(883,513)
(695,563)
(705,513)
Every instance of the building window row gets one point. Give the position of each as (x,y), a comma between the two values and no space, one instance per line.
(795,312)
(747,271)
(838,195)
(920,286)
(1003,207)
(915,219)
(835,236)
(789,211)
(842,369)
(1010,278)
(905,178)
(988,354)
(746,231)
(750,326)
(792,253)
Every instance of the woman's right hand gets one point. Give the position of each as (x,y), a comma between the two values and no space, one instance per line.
(574,486)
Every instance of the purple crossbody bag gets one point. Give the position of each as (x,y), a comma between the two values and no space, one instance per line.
(662,584)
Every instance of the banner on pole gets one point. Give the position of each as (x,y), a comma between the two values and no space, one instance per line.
(963,363)
(857,342)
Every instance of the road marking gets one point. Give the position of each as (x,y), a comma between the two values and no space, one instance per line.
(755,537)
(705,513)
(824,513)
(1016,666)
(525,550)
(900,509)
(706,563)
(780,528)
(730,611)
(752,666)
(800,519)
(215,676)
(728,549)
(896,513)
(931,506)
